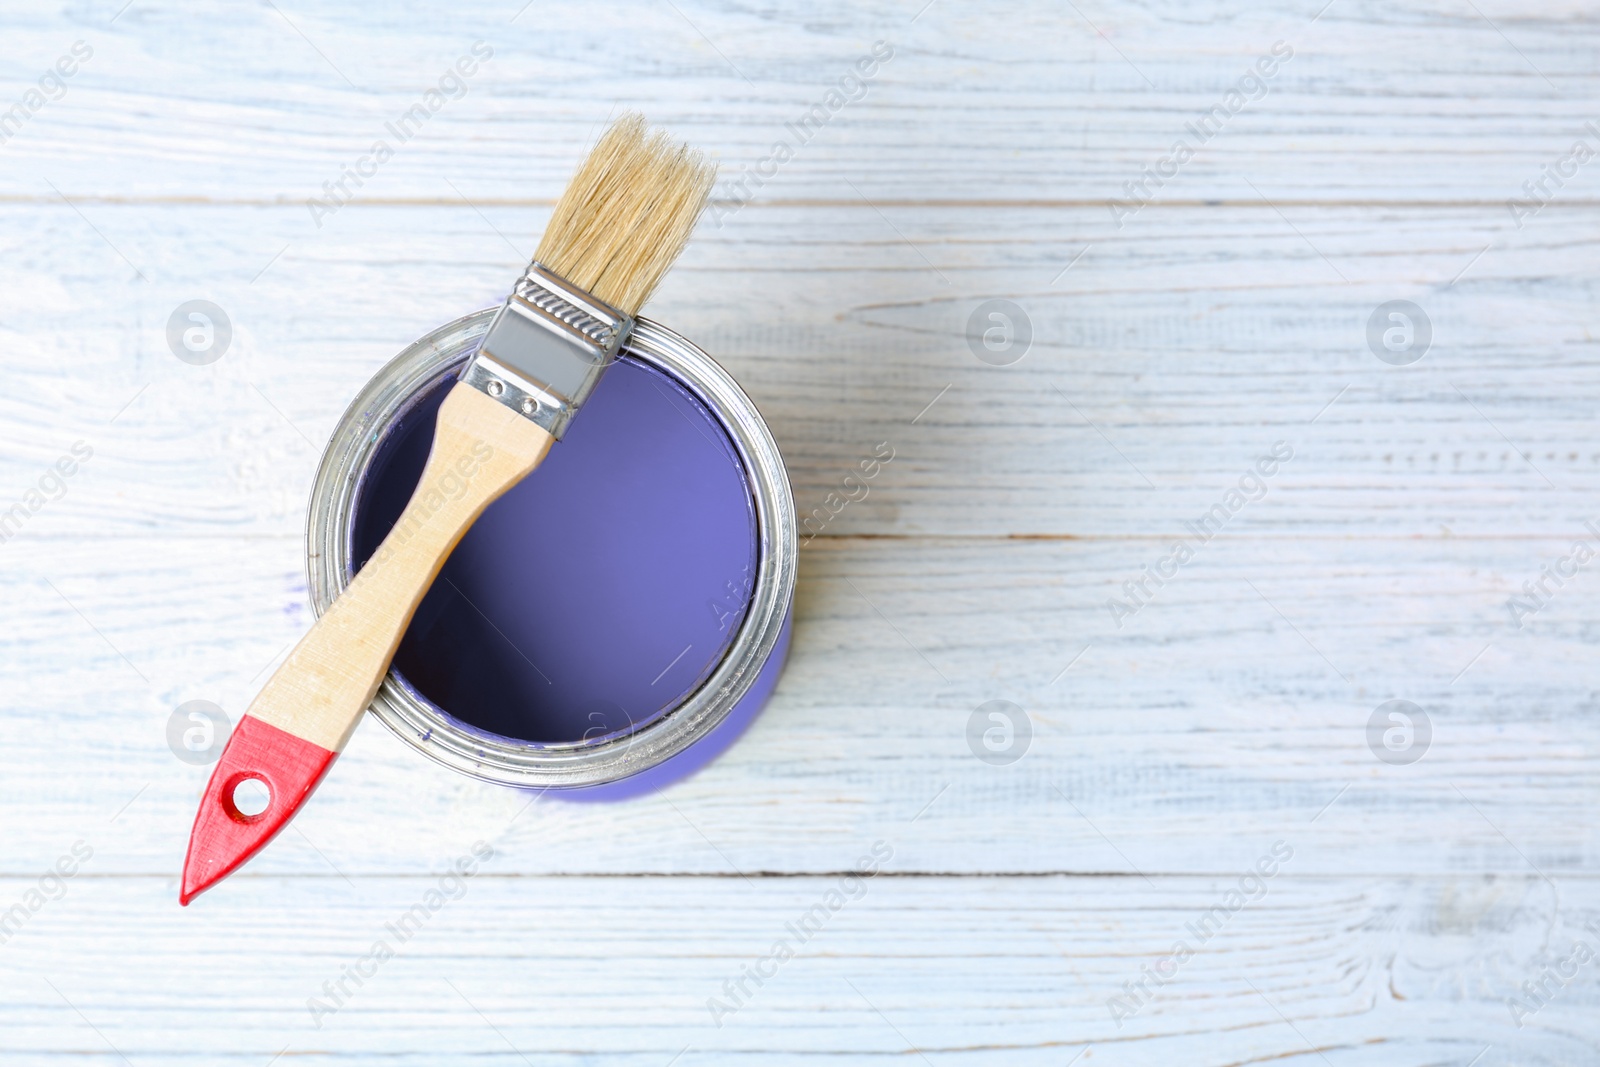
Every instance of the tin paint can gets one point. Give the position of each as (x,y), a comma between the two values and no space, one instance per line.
(664,520)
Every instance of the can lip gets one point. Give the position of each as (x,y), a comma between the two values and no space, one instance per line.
(491,757)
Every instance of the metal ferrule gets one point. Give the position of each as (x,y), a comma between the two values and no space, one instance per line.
(546,349)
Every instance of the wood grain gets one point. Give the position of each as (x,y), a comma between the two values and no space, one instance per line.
(1161,365)
(1423,102)
(943,970)
(985,160)
(1218,714)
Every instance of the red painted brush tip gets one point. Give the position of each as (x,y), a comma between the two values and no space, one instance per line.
(224,837)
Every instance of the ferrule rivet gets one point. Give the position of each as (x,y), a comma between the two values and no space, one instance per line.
(529,405)
(495,387)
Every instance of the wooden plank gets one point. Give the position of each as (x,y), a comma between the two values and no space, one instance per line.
(1168,754)
(1422,101)
(958,970)
(1235,703)
(1162,366)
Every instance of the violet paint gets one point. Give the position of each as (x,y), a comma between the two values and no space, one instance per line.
(599,592)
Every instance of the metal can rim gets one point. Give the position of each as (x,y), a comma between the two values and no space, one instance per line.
(491,757)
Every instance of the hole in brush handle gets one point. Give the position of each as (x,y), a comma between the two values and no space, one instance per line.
(249,797)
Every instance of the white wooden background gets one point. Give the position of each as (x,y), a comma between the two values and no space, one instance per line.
(1228,715)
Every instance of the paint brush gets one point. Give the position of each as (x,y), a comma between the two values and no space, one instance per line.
(616,230)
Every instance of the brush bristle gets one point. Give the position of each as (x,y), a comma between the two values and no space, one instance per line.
(627,213)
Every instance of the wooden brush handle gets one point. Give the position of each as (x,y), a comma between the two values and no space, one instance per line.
(302,718)
(480,449)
